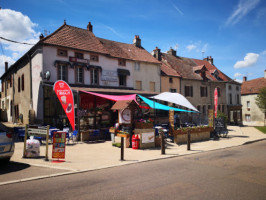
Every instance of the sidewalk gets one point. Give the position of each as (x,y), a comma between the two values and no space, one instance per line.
(91,156)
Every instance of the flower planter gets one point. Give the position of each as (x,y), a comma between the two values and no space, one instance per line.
(141,125)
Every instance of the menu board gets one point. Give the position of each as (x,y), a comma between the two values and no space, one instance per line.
(210,116)
(59,145)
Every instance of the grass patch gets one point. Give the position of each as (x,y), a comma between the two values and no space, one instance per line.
(261,128)
(117,145)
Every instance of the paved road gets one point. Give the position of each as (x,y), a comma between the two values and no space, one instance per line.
(233,173)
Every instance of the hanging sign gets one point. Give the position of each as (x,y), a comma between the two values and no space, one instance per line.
(59,145)
(65,96)
(125,116)
(215,101)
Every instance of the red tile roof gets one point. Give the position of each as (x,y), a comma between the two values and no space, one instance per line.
(169,71)
(253,86)
(82,39)
(127,51)
(211,68)
(76,38)
(184,66)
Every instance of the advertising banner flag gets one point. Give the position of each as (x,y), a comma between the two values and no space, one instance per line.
(65,96)
(215,102)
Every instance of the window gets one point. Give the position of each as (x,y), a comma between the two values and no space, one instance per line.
(230,98)
(237,99)
(170,80)
(22,82)
(223,108)
(11,108)
(248,105)
(122,80)
(139,85)
(230,87)
(247,117)
(209,107)
(62,72)
(122,62)
(137,66)
(152,86)
(188,91)
(173,90)
(94,58)
(203,92)
(62,52)
(79,74)
(18,84)
(94,76)
(198,108)
(3,86)
(237,88)
(219,107)
(79,55)
(204,110)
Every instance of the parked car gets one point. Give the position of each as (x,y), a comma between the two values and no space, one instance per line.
(7,145)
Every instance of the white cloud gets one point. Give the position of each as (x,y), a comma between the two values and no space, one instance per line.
(191,47)
(243,8)
(17,27)
(249,60)
(263,53)
(237,74)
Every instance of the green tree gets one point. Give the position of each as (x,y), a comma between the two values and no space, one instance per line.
(261,101)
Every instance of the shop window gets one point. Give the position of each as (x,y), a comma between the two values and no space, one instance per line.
(79,55)
(94,58)
(79,74)
(62,72)
(188,91)
(122,62)
(62,52)
(139,85)
(203,91)
(22,82)
(94,76)
(122,80)
(18,84)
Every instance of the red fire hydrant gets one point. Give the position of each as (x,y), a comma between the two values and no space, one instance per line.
(135,142)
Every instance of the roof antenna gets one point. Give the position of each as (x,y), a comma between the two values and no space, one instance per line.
(203,54)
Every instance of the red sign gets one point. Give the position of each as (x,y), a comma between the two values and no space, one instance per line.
(215,101)
(65,96)
(59,145)
(74,59)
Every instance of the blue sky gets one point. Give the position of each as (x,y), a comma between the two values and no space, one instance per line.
(231,31)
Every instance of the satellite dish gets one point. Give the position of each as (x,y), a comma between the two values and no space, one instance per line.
(47,75)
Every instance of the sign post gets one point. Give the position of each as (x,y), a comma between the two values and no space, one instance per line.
(59,145)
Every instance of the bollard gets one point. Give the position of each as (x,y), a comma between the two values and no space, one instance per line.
(122,148)
(162,143)
(188,140)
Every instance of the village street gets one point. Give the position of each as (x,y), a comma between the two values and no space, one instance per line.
(232,173)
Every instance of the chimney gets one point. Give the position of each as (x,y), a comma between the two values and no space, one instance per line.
(6,66)
(172,52)
(41,36)
(265,73)
(89,27)
(137,41)
(209,59)
(244,79)
(157,53)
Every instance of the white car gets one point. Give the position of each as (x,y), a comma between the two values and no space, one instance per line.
(7,145)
